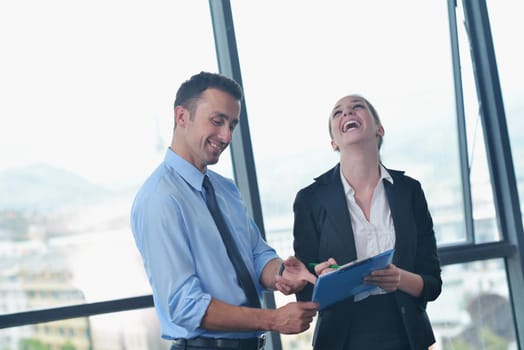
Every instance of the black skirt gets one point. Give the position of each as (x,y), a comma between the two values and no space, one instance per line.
(373,323)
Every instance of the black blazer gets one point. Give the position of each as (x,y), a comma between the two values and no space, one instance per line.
(322,229)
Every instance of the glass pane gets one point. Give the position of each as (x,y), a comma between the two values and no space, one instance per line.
(137,329)
(312,54)
(87,92)
(484,214)
(474,310)
(505,19)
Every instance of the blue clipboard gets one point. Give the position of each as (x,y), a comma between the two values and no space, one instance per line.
(347,280)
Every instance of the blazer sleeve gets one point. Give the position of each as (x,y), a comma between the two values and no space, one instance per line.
(306,236)
(427,263)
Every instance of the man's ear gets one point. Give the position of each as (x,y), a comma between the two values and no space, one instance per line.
(181,116)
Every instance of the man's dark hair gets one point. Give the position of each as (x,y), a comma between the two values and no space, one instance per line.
(191,89)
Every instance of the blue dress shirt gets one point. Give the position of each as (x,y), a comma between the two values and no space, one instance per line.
(182,251)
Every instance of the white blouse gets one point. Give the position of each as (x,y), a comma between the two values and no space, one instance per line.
(376,235)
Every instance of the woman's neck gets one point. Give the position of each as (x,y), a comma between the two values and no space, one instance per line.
(361,171)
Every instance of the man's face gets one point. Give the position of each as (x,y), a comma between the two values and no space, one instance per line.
(208,130)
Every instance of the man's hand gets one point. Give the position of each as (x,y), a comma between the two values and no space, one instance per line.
(294,317)
(294,276)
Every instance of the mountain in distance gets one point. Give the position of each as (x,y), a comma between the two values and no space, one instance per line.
(41,187)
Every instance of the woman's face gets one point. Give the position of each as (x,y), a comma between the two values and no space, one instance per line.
(352,122)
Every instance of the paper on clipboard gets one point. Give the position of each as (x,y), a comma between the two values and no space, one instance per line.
(347,280)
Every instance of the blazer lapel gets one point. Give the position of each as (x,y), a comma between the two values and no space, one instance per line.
(334,200)
(398,207)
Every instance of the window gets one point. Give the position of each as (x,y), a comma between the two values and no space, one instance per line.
(484,228)
(87,92)
(299,71)
(505,22)
(301,67)
(474,310)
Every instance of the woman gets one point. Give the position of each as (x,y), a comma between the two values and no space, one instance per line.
(359,209)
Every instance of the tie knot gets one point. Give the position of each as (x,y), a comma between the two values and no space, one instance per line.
(207,184)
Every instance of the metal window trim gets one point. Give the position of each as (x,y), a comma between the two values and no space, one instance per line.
(498,151)
(241,146)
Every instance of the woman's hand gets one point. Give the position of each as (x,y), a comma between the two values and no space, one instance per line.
(387,279)
(324,267)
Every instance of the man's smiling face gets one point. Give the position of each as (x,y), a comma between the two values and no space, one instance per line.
(207,130)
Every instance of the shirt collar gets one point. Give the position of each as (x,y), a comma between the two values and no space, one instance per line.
(186,170)
(384,175)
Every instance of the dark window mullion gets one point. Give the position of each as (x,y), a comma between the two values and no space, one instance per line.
(75,311)
(461,124)
(241,147)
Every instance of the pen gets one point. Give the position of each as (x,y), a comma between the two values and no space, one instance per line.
(332,266)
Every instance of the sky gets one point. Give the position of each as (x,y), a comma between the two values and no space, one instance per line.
(89,86)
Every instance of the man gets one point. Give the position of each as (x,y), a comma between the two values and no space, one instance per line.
(200,299)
